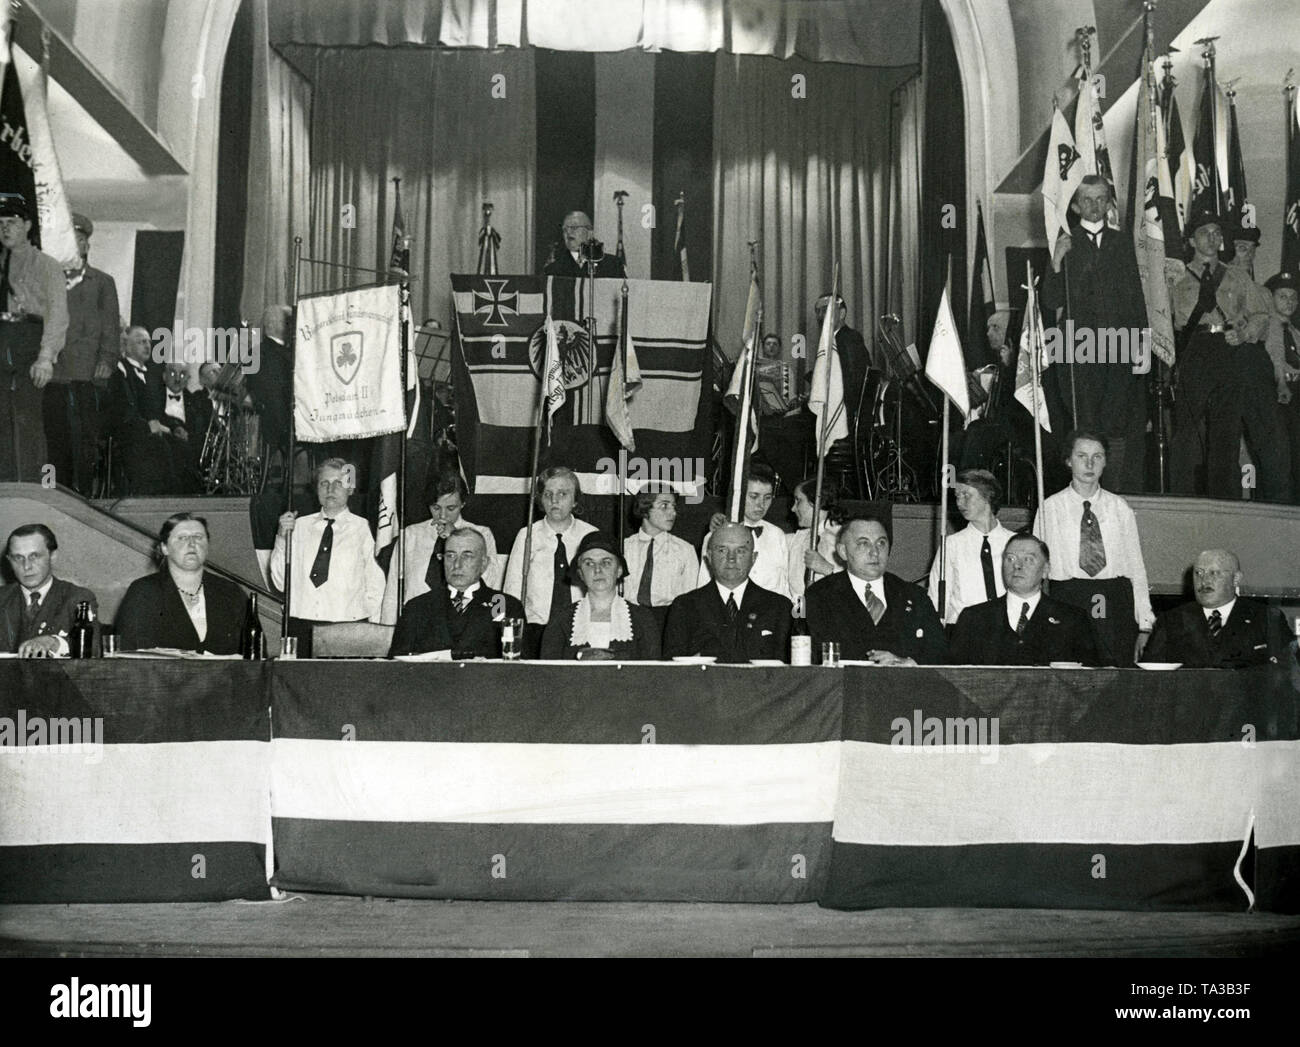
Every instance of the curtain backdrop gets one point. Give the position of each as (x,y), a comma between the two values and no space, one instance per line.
(808,178)
(431,119)
(279,164)
(858,32)
(904,201)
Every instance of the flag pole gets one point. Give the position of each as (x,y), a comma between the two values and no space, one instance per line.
(292,343)
(826,416)
(622,355)
(1035,379)
(943,487)
(399,520)
(532,484)
(746,397)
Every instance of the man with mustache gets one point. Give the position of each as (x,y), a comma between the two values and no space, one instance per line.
(1219,629)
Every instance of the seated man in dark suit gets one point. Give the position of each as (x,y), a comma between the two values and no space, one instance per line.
(873,615)
(1024,627)
(570,258)
(38,611)
(135,397)
(461,616)
(1220,630)
(730,618)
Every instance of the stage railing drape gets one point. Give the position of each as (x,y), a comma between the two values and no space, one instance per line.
(860,787)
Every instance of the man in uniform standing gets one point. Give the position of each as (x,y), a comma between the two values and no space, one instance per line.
(71,404)
(33,326)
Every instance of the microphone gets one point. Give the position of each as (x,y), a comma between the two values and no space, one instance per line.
(593,250)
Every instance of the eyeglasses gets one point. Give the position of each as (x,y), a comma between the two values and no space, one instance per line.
(1210,573)
(188,539)
(1028,560)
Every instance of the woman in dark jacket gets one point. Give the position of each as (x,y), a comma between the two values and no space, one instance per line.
(602,626)
(181,605)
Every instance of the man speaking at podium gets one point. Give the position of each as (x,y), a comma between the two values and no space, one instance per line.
(571,259)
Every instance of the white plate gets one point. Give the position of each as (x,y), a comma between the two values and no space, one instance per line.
(695,659)
(1159,667)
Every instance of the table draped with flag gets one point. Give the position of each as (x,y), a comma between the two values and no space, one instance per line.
(854,787)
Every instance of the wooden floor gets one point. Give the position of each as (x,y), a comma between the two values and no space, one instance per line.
(319,925)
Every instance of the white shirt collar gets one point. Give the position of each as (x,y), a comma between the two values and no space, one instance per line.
(1093,227)
(861,585)
(1014,602)
(1224,612)
(738,592)
(548,529)
(341,514)
(452,590)
(44,590)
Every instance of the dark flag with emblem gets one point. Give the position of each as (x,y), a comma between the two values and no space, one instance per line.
(400,261)
(1176,175)
(501,324)
(1205,150)
(982,300)
(1239,212)
(1291,206)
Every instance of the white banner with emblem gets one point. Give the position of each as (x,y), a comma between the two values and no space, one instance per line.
(347,375)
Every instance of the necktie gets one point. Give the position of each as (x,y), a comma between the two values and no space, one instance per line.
(6,289)
(1092,554)
(1024,619)
(560,596)
(732,609)
(647,572)
(758,531)
(1095,237)
(986,562)
(320,567)
(33,608)
(874,607)
(1216,624)
(1288,345)
(433,573)
(460,601)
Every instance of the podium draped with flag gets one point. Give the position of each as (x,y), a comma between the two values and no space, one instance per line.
(501,326)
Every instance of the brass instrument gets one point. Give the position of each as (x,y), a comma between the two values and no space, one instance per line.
(232,461)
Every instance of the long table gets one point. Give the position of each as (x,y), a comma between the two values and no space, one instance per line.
(853,787)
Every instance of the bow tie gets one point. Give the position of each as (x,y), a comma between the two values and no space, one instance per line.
(758,531)
(173,396)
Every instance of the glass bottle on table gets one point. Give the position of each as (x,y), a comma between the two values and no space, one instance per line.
(252,642)
(81,641)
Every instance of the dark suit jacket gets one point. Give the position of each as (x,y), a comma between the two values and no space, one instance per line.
(428,623)
(1056,632)
(697,624)
(910,627)
(272,390)
(643,647)
(132,402)
(58,612)
(1255,634)
(152,614)
(564,265)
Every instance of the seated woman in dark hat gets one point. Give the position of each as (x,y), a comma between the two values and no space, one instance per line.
(602,626)
(181,605)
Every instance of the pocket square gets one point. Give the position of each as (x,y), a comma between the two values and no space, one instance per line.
(766,632)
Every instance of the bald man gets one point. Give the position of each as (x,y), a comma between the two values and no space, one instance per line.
(730,618)
(1219,630)
(462,616)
